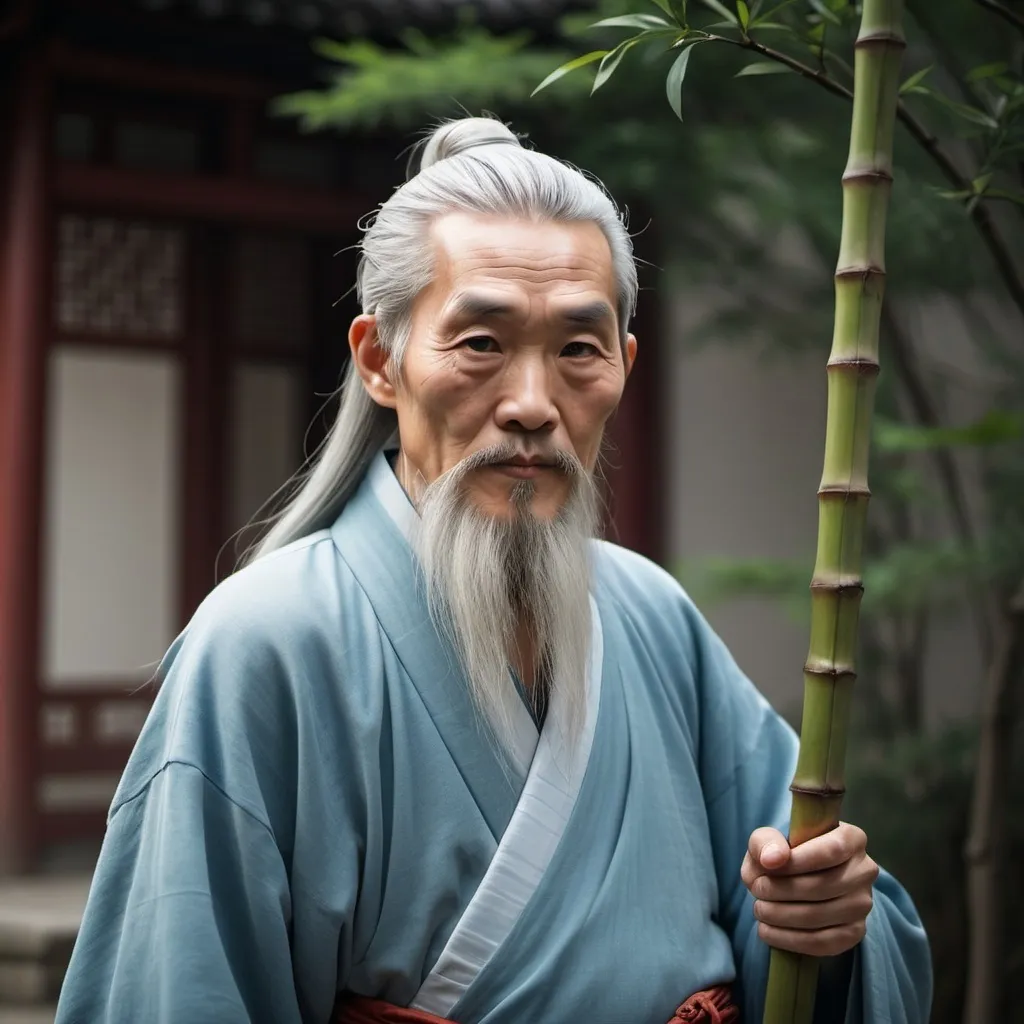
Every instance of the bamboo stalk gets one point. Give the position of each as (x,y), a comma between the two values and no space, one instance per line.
(836,588)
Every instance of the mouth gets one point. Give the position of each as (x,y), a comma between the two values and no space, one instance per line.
(522,468)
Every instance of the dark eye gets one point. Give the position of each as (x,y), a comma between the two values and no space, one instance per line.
(481,343)
(575,349)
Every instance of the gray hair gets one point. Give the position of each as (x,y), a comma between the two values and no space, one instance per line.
(474,165)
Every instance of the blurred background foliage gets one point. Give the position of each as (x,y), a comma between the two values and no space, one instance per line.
(744,188)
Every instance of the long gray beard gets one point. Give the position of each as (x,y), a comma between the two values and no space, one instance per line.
(483,574)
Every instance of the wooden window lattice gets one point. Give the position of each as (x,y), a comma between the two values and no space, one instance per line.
(118,277)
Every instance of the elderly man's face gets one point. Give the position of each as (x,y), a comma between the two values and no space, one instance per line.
(515,340)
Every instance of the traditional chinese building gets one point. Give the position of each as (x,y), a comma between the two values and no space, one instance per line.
(168,333)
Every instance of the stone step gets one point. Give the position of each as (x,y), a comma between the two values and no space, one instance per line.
(39,920)
(27,1014)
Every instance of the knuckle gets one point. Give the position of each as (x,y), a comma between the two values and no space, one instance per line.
(762,887)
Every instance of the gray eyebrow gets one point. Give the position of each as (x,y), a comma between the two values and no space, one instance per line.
(480,307)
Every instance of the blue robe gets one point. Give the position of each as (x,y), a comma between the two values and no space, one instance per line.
(315,806)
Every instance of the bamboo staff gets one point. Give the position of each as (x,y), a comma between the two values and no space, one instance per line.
(836,587)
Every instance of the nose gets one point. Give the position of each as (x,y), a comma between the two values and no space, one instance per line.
(526,404)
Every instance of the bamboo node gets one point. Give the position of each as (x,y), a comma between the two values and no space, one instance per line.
(844,491)
(824,792)
(825,670)
(881,41)
(863,273)
(872,176)
(842,585)
(863,365)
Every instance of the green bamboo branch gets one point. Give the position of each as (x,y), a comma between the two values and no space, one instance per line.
(1015,19)
(836,587)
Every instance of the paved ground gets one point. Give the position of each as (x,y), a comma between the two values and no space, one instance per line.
(35,907)
(11,1015)
(39,918)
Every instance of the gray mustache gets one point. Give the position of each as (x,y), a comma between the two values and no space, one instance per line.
(497,454)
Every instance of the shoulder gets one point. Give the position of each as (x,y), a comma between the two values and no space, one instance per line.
(644,593)
(239,686)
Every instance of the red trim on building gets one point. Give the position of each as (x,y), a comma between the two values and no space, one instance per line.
(634,467)
(22,399)
(221,199)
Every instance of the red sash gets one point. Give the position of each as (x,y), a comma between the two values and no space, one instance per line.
(715,1006)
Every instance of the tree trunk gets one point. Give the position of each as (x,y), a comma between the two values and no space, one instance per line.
(986,843)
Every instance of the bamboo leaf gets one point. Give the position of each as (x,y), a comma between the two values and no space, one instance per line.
(770,26)
(984,71)
(640,21)
(771,13)
(720,8)
(825,12)
(915,79)
(996,427)
(964,110)
(980,183)
(763,67)
(678,8)
(665,6)
(610,61)
(674,81)
(999,193)
(568,66)
(743,13)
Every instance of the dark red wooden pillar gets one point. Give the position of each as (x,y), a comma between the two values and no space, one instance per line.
(23,326)
(635,465)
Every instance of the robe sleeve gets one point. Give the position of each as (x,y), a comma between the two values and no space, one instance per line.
(747,756)
(187,916)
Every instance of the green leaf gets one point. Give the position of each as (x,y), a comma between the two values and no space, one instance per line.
(572,65)
(999,193)
(915,79)
(987,71)
(763,67)
(720,8)
(996,427)
(640,21)
(770,26)
(825,12)
(969,113)
(771,13)
(611,61)
(980,183)
(671,9)
(964,110)
(674,81)
(743,12)
(678,8)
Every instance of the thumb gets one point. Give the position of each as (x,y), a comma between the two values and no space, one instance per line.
(768,848)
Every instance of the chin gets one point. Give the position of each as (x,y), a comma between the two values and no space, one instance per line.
(540,506)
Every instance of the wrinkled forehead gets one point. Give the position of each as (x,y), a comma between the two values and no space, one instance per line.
(483,262)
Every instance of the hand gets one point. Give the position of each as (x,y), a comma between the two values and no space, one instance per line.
(813,899)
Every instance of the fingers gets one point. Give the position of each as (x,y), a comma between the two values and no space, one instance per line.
(818,886)
(825,942)
(844,910)
(843,843)
(768,849)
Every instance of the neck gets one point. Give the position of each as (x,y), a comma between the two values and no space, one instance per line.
(524,654)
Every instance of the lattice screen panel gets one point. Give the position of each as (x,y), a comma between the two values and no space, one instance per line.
(270,291)
(119,277)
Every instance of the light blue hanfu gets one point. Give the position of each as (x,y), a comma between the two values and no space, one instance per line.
(314,806)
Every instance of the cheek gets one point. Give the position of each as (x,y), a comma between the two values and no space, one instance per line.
(438,393)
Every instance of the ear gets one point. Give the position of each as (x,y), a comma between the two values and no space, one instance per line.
(370,360)
(630,353)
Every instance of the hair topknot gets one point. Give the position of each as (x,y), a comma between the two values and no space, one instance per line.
(456,136)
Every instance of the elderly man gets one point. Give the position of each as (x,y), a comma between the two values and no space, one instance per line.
(438,754)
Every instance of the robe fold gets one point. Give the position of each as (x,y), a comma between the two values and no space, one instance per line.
(314,808)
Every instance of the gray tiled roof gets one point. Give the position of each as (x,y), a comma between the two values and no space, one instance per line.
(355,17)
